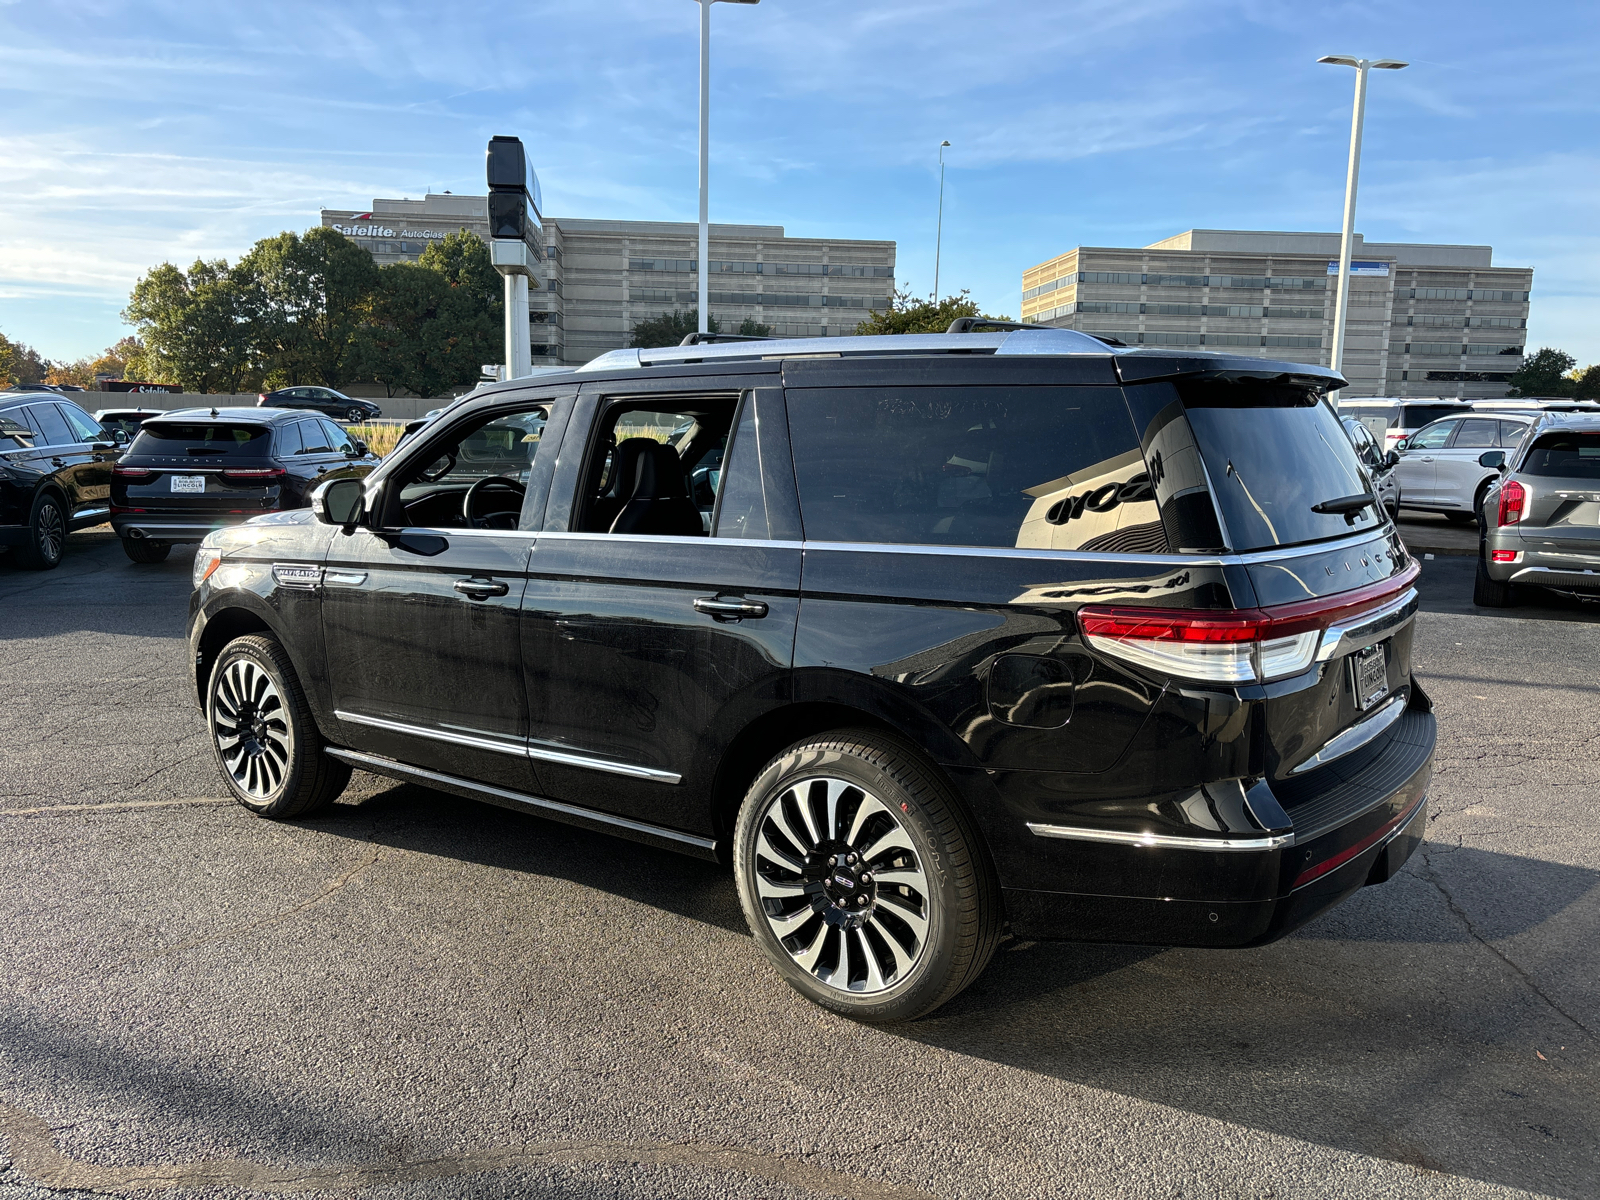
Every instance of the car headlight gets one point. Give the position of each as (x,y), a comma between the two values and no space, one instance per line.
(206,560)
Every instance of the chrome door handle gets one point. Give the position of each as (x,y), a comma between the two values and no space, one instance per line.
(482,589)
(56,462)
(1428,459)
(729,610)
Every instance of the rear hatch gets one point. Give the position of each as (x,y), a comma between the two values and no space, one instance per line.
(1288,487)
(188,468)
(1560,483)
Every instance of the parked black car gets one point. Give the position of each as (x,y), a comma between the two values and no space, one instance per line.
(194,470)
(963,631)
(55,474)
(323,400)
(126,419)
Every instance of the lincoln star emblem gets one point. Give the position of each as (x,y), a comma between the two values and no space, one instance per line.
(845,881)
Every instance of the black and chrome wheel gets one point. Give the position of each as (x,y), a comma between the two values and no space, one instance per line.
(862,880)
(263,735)
(47,534)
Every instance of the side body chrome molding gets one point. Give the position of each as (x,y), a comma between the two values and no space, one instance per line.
(543,751)
(1160,841)
(702,847)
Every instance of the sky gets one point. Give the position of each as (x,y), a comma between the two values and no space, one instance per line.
(132,134)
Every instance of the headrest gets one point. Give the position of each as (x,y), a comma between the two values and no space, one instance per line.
(659,473)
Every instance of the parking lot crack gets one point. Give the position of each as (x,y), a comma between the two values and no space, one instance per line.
(35,1153)
(1528,980)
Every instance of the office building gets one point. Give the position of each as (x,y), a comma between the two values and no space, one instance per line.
(599,278)
(1423,320)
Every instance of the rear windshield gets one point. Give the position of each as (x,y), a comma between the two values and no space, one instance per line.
(208,438)
(1564,456)
(1415,416)
(1271,454)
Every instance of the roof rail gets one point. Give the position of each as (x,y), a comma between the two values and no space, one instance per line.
(971,324)
(713,339)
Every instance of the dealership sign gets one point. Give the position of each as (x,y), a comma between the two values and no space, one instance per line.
(1361,268)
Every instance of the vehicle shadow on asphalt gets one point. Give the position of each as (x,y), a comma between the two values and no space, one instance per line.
(1446,587)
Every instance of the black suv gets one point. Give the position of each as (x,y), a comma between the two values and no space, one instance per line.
(55,474)
(194,470)
(323,400)
(960,632)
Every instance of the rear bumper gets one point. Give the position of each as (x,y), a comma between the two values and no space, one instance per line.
(1542,564)
(1364,819)
(159,527)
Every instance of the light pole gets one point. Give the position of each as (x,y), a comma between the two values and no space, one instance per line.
(705,154)
(938,236)
(1342,302)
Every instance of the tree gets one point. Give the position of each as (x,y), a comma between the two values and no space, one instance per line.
(463,260)
(669,329)
(750,327)
(1544,374)
(1585,383)
(315,294)
(912,314)
(8,359)
(197,328)
(20,363)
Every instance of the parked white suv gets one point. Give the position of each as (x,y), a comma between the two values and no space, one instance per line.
(1439,469)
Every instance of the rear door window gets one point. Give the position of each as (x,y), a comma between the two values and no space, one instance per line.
(201,440)
(1433,437)
(1272,454)
(1477,433)
(1033,467)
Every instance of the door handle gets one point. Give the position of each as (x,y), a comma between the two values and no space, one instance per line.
(729,610)
(1428,459)
(56,462)
(482,589)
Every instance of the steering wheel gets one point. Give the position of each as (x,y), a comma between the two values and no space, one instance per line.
(495,520)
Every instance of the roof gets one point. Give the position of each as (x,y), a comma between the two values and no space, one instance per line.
(260,416)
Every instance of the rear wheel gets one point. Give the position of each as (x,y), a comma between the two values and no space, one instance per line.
(263,735)
(862,880)
(142,550)
(47,534)
(1488,592)
(1461,518)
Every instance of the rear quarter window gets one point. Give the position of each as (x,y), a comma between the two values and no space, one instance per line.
(1056,468)
(221,438)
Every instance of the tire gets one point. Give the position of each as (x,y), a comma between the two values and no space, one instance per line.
(911,945)
(142,550)
(47,534)
(1488,592)
(1461,518)
(273,762)
(353,416)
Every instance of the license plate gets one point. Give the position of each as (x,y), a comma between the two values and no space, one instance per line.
(188,483)
(1370,668)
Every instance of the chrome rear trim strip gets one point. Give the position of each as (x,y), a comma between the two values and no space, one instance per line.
(568,758)
(536,803)
(1161,841)
(1369,628)
(1356,736)
(475,741)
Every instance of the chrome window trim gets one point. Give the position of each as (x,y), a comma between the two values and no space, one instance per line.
(1094,556)
(475,741)
(1161,841)
(1355,737)
(536,803)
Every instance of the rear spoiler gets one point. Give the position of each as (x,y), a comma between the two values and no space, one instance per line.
(1135,367)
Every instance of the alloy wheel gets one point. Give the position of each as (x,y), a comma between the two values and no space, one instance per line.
(52,532)
(842,885)
(251,727)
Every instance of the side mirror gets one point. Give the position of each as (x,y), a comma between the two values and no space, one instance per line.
(1493,458)
(1391,458)
(338,502)
(120,437)
(361,450)
(1401,444)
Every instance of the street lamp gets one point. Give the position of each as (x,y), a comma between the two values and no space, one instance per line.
(938,237)
(705,151)
(1342,303)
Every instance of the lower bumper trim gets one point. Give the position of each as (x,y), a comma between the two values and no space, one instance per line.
(1163,841)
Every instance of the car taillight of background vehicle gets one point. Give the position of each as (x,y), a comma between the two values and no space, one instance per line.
(1513,496)
(1247,645)
(253,473)
(261,398)
(133,474)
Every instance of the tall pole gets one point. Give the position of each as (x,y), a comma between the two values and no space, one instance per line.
(705,167)
(1347,237)
(938,237)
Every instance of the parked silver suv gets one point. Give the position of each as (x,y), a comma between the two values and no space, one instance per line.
(1541,516)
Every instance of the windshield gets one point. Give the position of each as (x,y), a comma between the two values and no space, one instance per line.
(200,439)
(1272,454)
(1564,456)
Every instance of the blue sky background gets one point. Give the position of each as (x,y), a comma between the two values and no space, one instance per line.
(130,134)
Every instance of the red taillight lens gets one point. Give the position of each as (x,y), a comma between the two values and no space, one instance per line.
(253,473)
(1512,498)
(1234,646)
(1503,555)
(261,398)
(133,473)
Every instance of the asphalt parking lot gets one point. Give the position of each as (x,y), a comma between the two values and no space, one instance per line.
(419,995)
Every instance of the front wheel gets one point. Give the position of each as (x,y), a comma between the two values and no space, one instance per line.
(862,880)
(352,415)
(263,735)
(143,550)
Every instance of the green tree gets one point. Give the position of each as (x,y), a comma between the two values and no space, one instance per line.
(669,329)
(750,327)
(1585,384)
(8,360)
(463,260)
(1544,374)
(197,328)
(912,314)
(21,363)
(315,294)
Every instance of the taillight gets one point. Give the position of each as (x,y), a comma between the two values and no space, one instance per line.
(261,398)
(1513,496)
(1504,555)
(1247,645)
(137,474)
(252,473)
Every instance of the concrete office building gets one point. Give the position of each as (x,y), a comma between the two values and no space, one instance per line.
(599,278)
(1423,320)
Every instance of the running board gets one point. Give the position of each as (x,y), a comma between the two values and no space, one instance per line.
(572,814)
